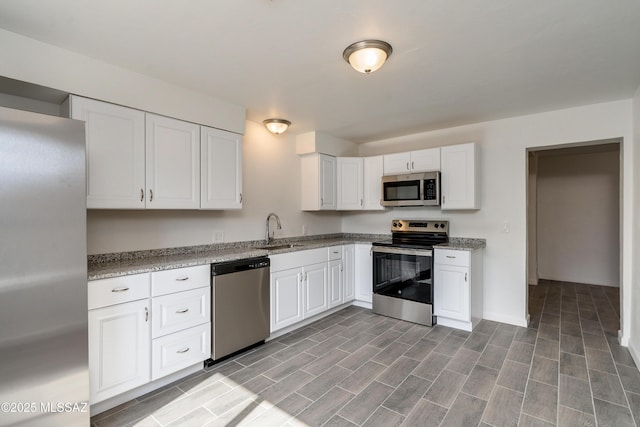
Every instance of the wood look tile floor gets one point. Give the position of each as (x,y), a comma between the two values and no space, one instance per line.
(355,368)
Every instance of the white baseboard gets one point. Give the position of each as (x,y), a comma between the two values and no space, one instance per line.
(498,317)
(363,304)
(635,352)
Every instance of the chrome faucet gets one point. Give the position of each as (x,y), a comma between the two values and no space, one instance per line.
(268,237)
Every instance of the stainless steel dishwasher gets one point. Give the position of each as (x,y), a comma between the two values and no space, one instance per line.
(239,305)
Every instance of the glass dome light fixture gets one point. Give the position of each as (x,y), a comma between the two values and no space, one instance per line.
(367,56)
(276,126)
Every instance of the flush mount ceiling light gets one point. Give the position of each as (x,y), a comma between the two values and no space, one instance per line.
(367,56)
(276,126)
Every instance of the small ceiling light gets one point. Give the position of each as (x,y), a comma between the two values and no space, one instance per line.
(276,126)
(367,56)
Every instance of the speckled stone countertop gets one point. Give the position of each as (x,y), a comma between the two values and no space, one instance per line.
(125,263)
(463,244)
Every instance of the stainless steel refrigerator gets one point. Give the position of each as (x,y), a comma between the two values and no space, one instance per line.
(44,376)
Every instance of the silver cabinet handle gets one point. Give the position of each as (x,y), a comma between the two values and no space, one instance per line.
(184,310)
(321,201)
(182,279)
(465,277)
(240,197)
(119,289)
(412,167)
(341,269)
(407,165)
(150,195)
(146,314)
(361,202)
(141,194)
(450,256)
(184,350)
(443,199)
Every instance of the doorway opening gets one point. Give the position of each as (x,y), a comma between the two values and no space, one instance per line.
(573,234)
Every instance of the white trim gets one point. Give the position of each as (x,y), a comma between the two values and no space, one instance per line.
(635,353)
(363,304)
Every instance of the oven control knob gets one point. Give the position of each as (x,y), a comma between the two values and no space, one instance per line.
(442,225)
(437,225)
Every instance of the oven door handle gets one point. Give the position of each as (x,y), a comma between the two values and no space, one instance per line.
(402,251)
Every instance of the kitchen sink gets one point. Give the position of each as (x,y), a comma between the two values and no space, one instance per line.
(281,246)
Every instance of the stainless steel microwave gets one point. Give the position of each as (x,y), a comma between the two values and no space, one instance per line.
(416,189)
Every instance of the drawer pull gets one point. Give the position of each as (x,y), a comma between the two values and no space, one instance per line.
(119,289)
(336,252)
(184,350)
(182,279)
(184,310)
(450,256)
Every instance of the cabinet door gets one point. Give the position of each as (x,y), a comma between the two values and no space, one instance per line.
(221,169)
(425,160)
(286,298)
(115,154)
(459,177)
(451,292)
(327,182)
(363,273)
(373,171)
(119,349)
(397,163)
(350,183)
(336,282)
(173,163)
(348,274)
(316,295)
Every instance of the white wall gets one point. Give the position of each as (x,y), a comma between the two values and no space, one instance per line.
(271,183)
(578,237)
(35,62)
(503,162)
(633,294)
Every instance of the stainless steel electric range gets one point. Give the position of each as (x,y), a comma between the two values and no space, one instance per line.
(403,270)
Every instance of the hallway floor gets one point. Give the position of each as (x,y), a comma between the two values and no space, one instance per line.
(355,368)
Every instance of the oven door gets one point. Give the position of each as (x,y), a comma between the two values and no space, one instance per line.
(403,273)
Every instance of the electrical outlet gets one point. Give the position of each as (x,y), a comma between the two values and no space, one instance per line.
(506,227)
(218,236)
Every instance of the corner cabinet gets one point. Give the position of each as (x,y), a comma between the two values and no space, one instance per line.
(459,177)
(458,290)
(115,144)
(221,165)
(318,186)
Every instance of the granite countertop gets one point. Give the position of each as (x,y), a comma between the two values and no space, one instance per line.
(125,263)
(462,244)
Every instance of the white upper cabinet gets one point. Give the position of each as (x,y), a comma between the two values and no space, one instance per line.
(373,171)
(318,186)
(350,183)
(173,163)
(115,142)
(221,166)
(459,177)
(414,161)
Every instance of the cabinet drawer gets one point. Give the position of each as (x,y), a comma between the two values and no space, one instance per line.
(452,257)
(175,312)
(117,290)
(174,352)
(180,279)
(335,252)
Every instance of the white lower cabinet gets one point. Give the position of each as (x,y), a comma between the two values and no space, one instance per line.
(336,282)
(363,274)
(119,336)
(458,289)
(315,289)
(286,298)
(143,327)
(180,350)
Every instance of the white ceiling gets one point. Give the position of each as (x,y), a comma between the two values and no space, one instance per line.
(453,62)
